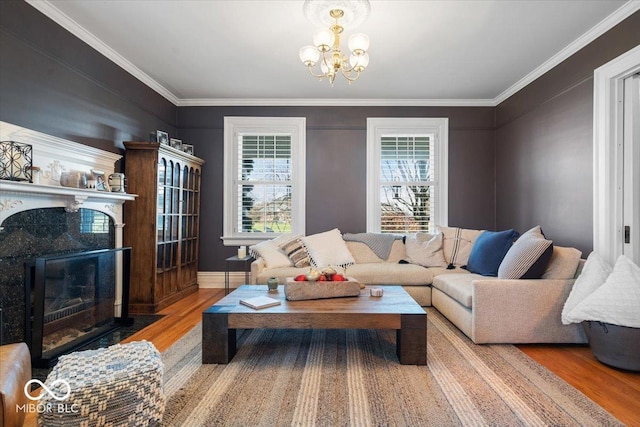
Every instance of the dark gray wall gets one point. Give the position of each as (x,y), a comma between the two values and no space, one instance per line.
(533,167)
(544,138)
(52,82)
(336,166)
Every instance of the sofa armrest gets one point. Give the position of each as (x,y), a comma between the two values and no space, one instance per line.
(257,266)
(522,311)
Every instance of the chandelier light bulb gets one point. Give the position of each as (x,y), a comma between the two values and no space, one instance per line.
(359,62)
(323,39)
(359,43)
(309,55)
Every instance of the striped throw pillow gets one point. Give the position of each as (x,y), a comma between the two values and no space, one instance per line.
(528,257)
(297,253)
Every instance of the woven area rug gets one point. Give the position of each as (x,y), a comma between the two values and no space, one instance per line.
(352,377)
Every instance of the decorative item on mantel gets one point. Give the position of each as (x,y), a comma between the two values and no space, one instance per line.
(35,174)
(15,161)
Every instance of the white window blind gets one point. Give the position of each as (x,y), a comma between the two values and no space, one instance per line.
(264,191)
(406,174)
(406,185)
(264,183)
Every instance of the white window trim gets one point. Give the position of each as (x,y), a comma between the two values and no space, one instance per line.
(607,157)
(296,126)
(376,127)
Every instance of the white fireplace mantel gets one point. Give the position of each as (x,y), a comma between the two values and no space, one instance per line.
(21,196)
(54,156)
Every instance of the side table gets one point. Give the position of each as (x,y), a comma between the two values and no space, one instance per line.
(247,269)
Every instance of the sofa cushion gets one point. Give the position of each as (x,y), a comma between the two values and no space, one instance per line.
(387,273)
(425,249)
(296,251)
(457,286)
(398,251)
(563,264)
(528,257)
(489,250)
(361,253)
(327,248)
(457,244)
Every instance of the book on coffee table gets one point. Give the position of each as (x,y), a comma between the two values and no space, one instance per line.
(259,302)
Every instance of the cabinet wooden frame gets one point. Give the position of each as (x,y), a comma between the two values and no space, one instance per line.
(162,225)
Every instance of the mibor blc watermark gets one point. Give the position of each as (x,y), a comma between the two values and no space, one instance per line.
(49,407)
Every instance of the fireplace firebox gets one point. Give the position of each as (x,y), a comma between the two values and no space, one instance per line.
(70,300)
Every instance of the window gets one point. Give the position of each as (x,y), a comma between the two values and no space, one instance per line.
(263,178)
(406,174)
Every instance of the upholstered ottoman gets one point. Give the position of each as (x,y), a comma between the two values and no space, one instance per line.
(116,386)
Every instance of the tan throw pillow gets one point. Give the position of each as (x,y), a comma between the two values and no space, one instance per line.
(425,250)
(327,249)
(457,244)
(563,263)
(296,251)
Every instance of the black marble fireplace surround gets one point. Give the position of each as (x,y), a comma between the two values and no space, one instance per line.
(34,233)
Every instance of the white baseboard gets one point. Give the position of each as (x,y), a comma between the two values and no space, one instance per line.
(215,279)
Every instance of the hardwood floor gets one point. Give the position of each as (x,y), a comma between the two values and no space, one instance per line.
(616,391)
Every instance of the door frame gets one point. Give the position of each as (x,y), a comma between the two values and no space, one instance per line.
(608,156)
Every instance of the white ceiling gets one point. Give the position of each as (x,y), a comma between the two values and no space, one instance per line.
(422,52)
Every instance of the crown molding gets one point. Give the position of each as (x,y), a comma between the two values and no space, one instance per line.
(602,27)
(49,10)
(332,102)
(60,18)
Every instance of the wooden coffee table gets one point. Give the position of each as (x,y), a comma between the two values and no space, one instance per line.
(394,310)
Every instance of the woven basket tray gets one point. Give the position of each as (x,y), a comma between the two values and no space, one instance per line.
(297,291)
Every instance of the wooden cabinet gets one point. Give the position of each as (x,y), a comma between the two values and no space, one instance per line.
(162,224)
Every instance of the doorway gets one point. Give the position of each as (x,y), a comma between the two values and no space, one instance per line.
(631,169)
(616,146)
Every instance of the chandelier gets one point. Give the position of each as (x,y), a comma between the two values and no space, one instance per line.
(337,14)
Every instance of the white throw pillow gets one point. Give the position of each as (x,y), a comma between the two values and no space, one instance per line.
(594,274)
(271,254)
(563,263)
(617,301)
(425,250)
(457,244)
(327,249)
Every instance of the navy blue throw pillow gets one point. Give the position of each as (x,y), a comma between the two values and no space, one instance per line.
(488,251)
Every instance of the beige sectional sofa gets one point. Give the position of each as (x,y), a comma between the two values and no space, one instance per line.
(486,309)
(492,310)
(371,270)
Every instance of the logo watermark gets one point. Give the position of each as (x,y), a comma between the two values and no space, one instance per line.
(56,394)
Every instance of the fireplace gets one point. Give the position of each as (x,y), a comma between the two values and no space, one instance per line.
(70,300)
(48,223)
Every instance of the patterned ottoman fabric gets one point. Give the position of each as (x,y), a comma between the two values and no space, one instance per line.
(121,385)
